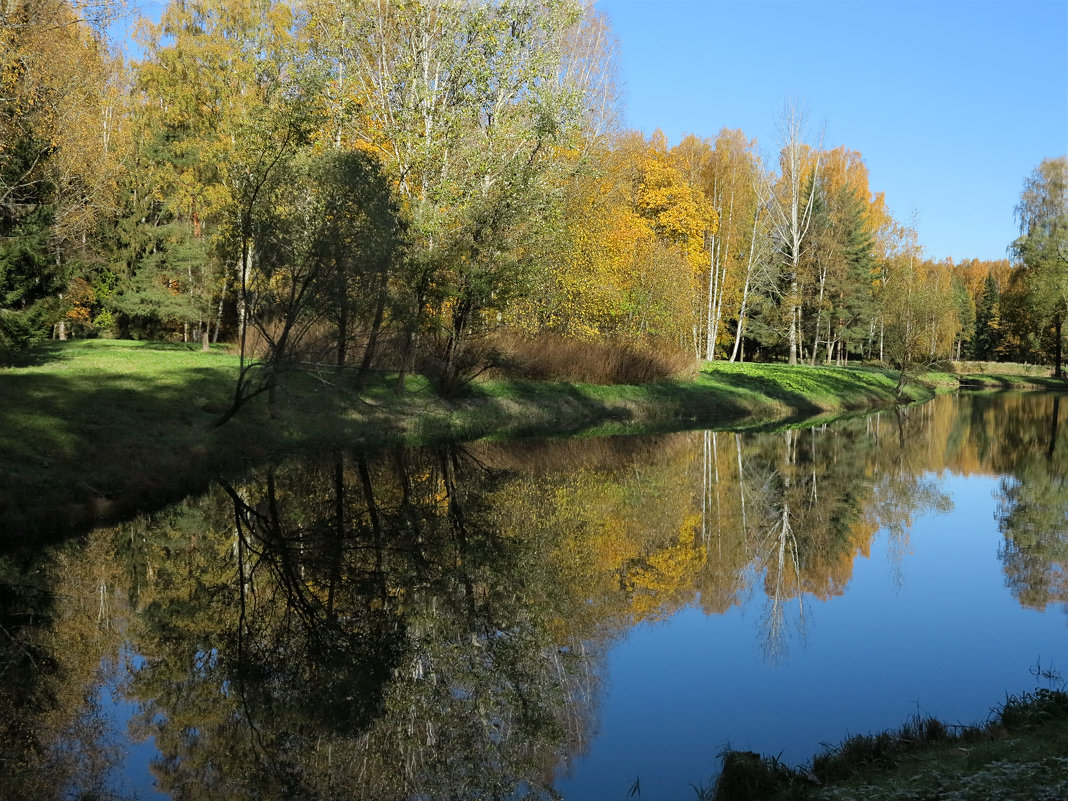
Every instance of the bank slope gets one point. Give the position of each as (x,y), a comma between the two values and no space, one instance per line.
(97,430)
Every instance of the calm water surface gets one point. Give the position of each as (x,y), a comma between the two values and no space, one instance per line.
(505,621)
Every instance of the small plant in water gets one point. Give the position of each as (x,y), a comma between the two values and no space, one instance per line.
(1050,675)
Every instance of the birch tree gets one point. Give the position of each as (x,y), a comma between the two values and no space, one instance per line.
(464,102)
(791,208)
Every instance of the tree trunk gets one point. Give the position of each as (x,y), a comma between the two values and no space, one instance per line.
(721,281)
(1057,373)
(242,291)
(372,337)
(794,309)
(1053,426)
(219,314)
(450,372)
(342,333)
(750,262)
(819,314)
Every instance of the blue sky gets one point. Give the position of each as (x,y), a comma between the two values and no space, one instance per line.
(952,104)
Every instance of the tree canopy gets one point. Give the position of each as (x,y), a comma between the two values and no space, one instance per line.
(434,173)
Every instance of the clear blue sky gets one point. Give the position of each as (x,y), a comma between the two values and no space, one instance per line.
(952,104)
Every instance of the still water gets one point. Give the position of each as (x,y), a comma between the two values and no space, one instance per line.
(581,617)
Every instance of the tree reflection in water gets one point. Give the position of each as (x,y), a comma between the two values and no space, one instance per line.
(1033,510)
(433,622)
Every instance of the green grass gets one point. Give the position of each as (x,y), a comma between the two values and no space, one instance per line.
(1020,752)
(97,429)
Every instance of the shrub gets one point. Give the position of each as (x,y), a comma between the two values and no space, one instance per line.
(550,357)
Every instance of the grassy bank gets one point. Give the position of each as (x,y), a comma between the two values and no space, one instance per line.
(1020,752)
(94,430)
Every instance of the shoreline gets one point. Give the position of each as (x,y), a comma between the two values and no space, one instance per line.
(106,429)
(1020,751)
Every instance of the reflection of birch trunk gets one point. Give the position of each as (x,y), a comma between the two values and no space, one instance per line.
(785,557)
(1053,427)
(715,463)
(774,645)
(704,488)
(339,532)
(741,492)
(710,485)
(458,524)
(815,478)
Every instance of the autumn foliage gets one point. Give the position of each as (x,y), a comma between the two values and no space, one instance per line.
(148,199)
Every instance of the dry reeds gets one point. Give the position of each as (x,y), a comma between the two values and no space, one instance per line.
(551,357)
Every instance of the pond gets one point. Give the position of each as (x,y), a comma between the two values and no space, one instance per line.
(595,618)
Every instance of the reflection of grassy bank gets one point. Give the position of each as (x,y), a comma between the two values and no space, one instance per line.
(96,429)
(1019,753)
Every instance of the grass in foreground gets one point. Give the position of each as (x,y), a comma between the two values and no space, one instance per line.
(1021,752)
(96,430)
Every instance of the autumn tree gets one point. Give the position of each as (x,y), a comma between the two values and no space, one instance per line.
(323,242)
(840,267)
(222,98)
(791,206)
(1042,247)
(57,156)
(728,173)
(465,103)
(920,319)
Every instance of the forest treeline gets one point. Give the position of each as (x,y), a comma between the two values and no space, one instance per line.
(422,186)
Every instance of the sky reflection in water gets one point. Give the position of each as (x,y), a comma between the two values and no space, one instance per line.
(575,615)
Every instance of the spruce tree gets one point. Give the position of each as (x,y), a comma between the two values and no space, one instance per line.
(987,321)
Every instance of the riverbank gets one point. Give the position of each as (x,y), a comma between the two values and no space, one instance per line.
(98,429)
(1020,752)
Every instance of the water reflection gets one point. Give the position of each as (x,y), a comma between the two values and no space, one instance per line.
(1033,514)
(433,622)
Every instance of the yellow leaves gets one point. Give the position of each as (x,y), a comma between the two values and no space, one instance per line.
(666,578)
(676,210)
(54,83)
(633,247)
(81,297)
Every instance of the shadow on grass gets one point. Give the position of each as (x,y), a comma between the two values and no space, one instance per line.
(559,409)
(81,449)
(768,387)
(184,347)
(1004,382)
(41,353)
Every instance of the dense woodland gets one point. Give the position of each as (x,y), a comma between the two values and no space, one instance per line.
(422,186)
